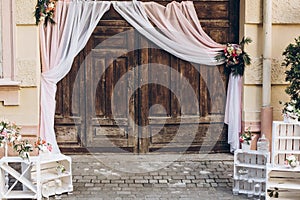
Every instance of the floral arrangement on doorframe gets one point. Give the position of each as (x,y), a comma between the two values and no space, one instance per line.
(44,11)
(246,137)
(235,57)
(10,135)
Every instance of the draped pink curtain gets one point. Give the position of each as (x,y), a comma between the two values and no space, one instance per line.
(179,31)
(233,111)
(180,34)
(60,43)
(180,21)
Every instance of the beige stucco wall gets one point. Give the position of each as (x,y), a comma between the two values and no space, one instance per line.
(286,27)
(26,114)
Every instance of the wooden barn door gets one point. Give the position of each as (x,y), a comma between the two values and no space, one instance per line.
(119,103)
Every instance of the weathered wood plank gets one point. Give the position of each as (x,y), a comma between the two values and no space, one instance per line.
(96,97)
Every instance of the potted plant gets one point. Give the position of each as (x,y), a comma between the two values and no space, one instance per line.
(292,61)
(60,169)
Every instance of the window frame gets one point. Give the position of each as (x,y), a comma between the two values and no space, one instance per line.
(9,87)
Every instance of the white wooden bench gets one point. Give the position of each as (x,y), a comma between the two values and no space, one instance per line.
(285,141)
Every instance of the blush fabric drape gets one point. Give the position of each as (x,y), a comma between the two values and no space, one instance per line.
(75,22)
(233,111)
(178,32)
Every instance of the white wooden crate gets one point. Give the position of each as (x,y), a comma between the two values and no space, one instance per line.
(285,141)
(43,180)
(254,163)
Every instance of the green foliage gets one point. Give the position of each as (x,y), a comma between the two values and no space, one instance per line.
(292,61)
(235,57)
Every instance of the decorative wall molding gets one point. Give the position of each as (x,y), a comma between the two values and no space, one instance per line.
(24,14)
(253,73)
(255,126)
(27,130)
(8,39)
(27,73)
(284,12)
(9,92)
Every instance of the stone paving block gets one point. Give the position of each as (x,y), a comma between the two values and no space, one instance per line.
(190,177)
(186,181)
(136,177)
(167,177)
(157,177)
(147,177)
(160,185)
(129,181)
(198,181)
(141,181)
(178,177)
(110,185)
(153,181)
(124,192)
(148,185)
(222,184)
(83,181)
(117,181)
(162,181)
(189,185)
(89,185)
(209,180)
(137,185)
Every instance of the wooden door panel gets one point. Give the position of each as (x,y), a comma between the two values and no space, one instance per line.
(155,117)
(70,103)
(110,64)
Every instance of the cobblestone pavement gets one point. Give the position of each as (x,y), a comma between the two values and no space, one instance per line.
(152,177)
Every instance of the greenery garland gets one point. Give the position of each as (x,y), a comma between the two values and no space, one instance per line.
(44,11)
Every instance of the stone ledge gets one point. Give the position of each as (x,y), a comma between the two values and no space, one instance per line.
(10,92)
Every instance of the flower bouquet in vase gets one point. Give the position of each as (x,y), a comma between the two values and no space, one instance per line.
(291,161)
(60,169)
(23,148)
(245,140)
(9,135)
(43,146)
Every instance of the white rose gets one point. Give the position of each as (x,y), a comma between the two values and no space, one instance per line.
(293,164)
(19,138)
(43,148)
(12,139)
(291,157)
(51,5)
(290,108)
